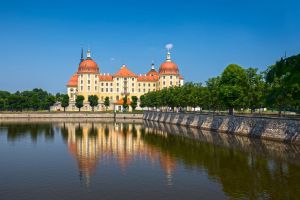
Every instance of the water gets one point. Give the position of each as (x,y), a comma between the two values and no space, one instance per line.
(94,159)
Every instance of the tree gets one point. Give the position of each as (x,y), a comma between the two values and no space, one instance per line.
(79,102)
(2,104)
(212,93)
(133,104)
(232,84)
(93,99)
(254,90)
(106,102)
(50,101)
(282,80)
(125,105)
(142,101)
(65,101)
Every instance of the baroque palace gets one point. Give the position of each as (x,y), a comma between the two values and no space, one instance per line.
(88,80)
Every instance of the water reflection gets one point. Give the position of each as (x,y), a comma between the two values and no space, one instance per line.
(245,168)
(90,143)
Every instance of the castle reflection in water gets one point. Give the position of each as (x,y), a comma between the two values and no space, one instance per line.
(93,143)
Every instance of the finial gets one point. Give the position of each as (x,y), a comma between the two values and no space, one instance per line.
(168,56)
(169,47)
(152,65)
(88,54)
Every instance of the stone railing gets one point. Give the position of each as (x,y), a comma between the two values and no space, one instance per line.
(280,129)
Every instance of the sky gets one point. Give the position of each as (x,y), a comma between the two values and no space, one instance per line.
(41,41)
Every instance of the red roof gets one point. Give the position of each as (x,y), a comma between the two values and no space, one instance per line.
(88,66)
(147,78)
(168,68)
(180,77)
(120,102)
(125,72)
(105,77)
(152,72)
(73,82)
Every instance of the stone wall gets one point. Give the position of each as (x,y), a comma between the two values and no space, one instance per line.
(280,129)
(70,115)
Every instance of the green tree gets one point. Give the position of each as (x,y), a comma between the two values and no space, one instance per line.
(106,102)
(79,102)
(254,90)
(133,104)
(125,104)
(212,94)
(50,101)
(232,84)
(142,101)
(93,99)
(65,101)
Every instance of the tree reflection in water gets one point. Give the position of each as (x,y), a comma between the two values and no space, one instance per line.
(246,168)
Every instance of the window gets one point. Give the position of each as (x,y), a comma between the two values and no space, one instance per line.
(117,89)
(148,84)
(132,84)
(144,84)
(89,88)
(106,89)
(81,88)
(164,83)
(89,82)
(132,89)
(95,82)
(171,83)
(139,84)
(101,89)
(95,88)
(117,79)
(88,75)
(111,84)
(164,77)
(101,84)
(132,79)
(81,81)
(170,77)
(125,79)
(117,84)
(139,90)
(144,90)
(95,76)
(117,98)
(106,84)
(148,90)
(111,98)
(153,84)
(101,98)
(111,90)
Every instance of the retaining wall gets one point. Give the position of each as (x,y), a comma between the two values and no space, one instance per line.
(279,129)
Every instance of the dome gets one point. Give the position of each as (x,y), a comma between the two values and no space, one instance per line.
(73,82)
(169,68)
(88,66)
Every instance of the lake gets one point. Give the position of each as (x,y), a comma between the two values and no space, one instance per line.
(103,159)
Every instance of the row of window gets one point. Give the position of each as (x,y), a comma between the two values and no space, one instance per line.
(111,89)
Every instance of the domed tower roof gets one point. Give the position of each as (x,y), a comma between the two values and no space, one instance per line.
(152,71)
(168,67)
(88,65)
(73,82)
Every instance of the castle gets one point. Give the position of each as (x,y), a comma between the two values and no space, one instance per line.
(89,81)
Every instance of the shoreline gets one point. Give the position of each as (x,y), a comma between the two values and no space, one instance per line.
(265,128)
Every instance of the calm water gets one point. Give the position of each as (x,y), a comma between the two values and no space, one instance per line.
(140,160)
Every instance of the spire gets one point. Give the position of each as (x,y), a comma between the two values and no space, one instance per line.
(88,54)
(81,58)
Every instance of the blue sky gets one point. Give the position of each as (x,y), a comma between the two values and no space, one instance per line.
(40,41)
